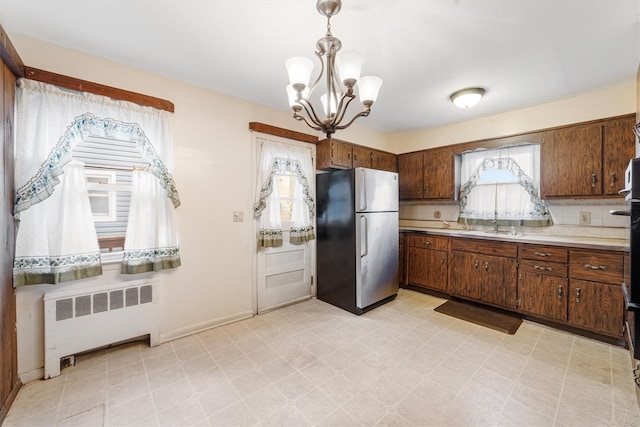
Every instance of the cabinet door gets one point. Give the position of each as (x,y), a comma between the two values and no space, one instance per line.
(543,295)
(384,161)
(619,148)
(361,157)
(340,154)
(571,162)
(465,275)
(439,179)
(596,306)
(428,268)
(410,176)
(498,280)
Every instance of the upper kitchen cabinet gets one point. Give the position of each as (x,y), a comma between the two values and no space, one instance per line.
(619,148)
(336,154)
(427,175)
(586,160)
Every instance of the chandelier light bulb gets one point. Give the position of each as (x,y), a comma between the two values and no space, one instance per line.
(299,69)
(368,89)
(349,65)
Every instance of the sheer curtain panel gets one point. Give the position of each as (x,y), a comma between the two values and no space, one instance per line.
(284,159)
(50,122)
(512,201)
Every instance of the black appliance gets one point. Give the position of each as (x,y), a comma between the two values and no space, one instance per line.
(631,284)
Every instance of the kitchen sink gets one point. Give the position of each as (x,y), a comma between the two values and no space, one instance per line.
(490,233)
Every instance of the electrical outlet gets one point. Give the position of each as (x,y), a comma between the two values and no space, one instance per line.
(238,216)
(436,214)
(585,218)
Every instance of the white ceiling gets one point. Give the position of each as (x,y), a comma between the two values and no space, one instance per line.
(524,52)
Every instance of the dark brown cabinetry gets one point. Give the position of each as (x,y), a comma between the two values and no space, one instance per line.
(586,160)
(484,271)
(595,297)
(427,261)
(619,148)
(428,174)
(336,154)
(543,284)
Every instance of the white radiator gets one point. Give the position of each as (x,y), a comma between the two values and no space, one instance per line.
(88,317)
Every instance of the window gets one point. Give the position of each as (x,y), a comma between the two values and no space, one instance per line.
(286,190)
(108,167)
(102,197)
(502,186)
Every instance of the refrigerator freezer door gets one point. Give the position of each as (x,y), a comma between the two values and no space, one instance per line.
(376,257)
(376,191)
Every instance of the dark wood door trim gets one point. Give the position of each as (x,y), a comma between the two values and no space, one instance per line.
(9,55)
(96,88)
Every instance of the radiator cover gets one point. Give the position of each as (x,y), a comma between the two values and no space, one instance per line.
(83,318)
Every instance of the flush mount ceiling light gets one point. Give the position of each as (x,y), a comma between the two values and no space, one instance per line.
(466,98)
(341,75)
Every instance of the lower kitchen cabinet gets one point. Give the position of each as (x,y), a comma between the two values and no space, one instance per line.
(485,271)
(427,261)
(596,301)
(598,307)
(543,284)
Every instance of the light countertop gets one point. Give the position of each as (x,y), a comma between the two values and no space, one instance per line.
(584,241)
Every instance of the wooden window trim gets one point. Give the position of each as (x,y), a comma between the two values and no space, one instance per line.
(281,132)
(96,88)
(9,55)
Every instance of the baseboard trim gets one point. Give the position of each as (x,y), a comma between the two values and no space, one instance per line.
(199,327)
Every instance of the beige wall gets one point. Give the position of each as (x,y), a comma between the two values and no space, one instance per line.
(213,170)
(612,101)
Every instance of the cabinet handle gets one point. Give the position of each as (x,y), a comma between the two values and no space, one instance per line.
(613,179)
(537,267)
(577,294)
(355,157)
(486,266)
(442,259)
(594,180)
(418,188)
(349,156)
(595,267)
(426,188)
(475,265)
(426,243)
(542,254)
(559,291)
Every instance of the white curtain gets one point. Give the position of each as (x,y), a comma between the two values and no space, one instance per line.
(54,248)
(50,122)
(276,158)
(513,203)
(151,243)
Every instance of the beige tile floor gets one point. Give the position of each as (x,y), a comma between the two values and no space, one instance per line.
(401,364)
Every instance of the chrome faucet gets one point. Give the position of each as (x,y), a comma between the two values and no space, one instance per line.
(445,225)
(495,225)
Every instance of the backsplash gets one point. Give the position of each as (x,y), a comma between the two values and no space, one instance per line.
(566,216)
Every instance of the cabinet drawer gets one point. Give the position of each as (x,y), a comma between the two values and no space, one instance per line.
(486,247)
(427,241)
(597,267)
(543,267)
(543,253)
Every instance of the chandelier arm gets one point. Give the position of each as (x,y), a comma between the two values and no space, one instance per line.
(300,117)
(363,113)
(311,112)
(315,83)
(342,108)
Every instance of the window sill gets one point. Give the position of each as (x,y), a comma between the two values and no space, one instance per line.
(111,257)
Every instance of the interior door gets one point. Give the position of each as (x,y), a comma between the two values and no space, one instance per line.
(284,275)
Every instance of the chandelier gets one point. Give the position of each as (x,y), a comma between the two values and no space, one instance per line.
(341,75)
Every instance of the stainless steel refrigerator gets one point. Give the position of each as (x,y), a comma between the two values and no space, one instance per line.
(357,238)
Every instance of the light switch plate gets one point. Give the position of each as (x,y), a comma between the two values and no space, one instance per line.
(238,216)
(585,218)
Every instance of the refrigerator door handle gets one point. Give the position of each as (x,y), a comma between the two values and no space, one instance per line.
(364,240)
(362,197)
